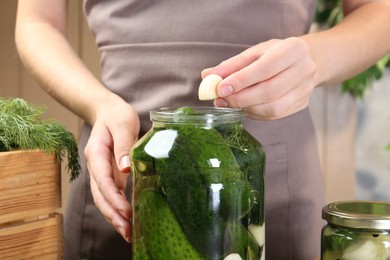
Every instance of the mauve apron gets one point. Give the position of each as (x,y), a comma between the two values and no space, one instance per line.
(152,53)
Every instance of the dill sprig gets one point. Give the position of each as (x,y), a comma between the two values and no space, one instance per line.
(235,138)
(22,127)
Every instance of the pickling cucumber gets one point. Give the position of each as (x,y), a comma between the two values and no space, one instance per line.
(188,198)
(242,242)
(161,231)
(142,163)
(250,157)
(234,191)
(217,165)
(206,148)
(140,250)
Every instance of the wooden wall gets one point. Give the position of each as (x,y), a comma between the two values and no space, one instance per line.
(334,114)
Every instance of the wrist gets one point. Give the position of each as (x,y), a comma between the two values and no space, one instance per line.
(101,104)
(310,40)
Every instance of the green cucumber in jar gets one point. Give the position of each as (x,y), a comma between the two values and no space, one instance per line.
(250,157)
(161,232)
(217,165)
(142,162)
(243,243)
(140,250)
(188,198)
(187,180)
(254,171)
(234,190)
(207,148)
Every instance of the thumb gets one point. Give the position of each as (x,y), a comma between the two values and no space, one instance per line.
(124,131)
(122,146)
(123,141)
(124,164)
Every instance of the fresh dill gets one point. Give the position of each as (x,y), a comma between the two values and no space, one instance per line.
(22,128)
(236,139)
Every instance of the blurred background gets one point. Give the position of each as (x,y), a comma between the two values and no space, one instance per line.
(352,132)
(372,139)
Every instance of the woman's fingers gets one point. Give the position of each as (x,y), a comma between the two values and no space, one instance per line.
(282,107)
(275,85)
(120,223)
(107,186)
(239,61)
(100,164)
(114,132)
(278,58)
(295,78)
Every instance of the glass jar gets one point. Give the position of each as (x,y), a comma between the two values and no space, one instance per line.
(198,187)
(356,230)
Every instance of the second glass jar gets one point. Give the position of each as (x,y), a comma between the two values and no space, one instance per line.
(198,187)
(356,230)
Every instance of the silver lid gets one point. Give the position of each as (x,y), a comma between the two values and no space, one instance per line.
(358,214)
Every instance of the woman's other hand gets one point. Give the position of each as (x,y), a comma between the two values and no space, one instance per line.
(114,132)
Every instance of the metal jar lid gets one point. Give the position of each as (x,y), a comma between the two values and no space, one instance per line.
(358,214)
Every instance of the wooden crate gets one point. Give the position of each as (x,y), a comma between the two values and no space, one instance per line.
(30,194)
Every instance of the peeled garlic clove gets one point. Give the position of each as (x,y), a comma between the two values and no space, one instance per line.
(258,232)
(365,251)
(208,87)
(233,257)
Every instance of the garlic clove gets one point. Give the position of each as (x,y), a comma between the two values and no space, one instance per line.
(208,87)
(233,257)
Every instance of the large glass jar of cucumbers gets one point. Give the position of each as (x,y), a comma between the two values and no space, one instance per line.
(356,230)
(198,187)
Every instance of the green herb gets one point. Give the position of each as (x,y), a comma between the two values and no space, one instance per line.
(338,239)
(185,111)
(22,127)
(361,82)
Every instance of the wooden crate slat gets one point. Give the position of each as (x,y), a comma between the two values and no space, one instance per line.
(30,184)
(27,199)
(32,176)
(20,162)
(40,239)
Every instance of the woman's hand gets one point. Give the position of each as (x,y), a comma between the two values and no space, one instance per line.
(270,80)
(45,51)
(114,132)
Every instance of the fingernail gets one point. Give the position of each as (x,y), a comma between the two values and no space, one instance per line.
(220,103)
(123,234)
(124,163)
(203,71)
(225,91)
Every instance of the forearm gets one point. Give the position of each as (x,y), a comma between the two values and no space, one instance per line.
(48,56)
(353,45)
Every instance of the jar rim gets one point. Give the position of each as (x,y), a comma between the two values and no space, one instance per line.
(200,115)
(360,214)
